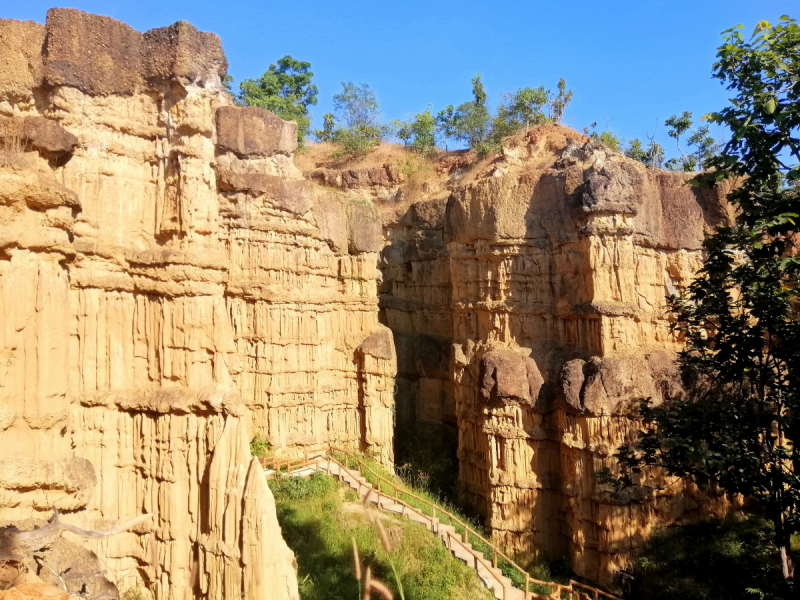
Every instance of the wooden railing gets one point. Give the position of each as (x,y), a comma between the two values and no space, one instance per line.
(289,464)
(557,590)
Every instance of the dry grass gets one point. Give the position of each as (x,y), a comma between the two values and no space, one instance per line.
(321,156)
(12,144)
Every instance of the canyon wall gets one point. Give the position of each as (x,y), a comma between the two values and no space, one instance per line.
(557,256)
(170,285)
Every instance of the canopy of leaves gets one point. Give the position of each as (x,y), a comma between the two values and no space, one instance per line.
(652,155)
(286,90)
(739,422)
(419,132)
(357,107)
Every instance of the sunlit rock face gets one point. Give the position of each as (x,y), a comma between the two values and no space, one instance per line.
(545,271)
(170,285)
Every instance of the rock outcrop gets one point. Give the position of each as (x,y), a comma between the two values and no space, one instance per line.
(547,271)
(170,285)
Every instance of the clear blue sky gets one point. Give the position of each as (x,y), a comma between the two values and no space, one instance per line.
(630,62)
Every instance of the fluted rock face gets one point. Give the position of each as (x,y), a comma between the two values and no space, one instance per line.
(170,285)
(547,269)
(565,253)
(415,297)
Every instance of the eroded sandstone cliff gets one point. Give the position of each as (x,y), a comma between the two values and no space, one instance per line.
(169,285)
(526,294)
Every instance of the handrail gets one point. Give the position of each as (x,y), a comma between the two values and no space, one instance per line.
(298,463)
(449,536)
(556,587)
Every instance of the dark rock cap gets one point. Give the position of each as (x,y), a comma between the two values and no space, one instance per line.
(293,196)
(98,55)
(506,374)
(44,135)
(102,56)
(364,231)
(182,52)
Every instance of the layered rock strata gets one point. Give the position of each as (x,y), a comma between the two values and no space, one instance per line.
(170,285)
(548,269)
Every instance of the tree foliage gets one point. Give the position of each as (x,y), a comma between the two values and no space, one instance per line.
(472,118)
(356,105)
(560,101)
(652,155)
(739,422)
(447,123)
(704,146)
(284,89)
(419,133)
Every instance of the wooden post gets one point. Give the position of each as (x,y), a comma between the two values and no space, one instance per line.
(527,586)
(494,559)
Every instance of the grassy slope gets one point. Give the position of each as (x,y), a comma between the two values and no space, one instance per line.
(319,517)
(537,570)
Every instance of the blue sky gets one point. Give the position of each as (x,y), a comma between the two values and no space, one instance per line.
(631,63)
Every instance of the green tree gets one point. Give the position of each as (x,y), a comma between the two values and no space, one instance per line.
(652,155)
(423,132)
(447,123)
(705,148)
(284,89)
(419,132)
(608,138)
(559,102)
(472,117)
(523,109)
(328,131)
(357,106)
(678,125)
(526,106)
(739,423)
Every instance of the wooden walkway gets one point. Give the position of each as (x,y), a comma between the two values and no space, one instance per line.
(491,576)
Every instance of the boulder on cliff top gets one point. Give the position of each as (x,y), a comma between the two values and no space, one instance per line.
(251,131)
(180,51)
(102,56)
(98,55)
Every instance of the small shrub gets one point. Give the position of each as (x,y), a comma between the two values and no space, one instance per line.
(260,446)
(411,165)
(356,141)
(298,488)
(133,594)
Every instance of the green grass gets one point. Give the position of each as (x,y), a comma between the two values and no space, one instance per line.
(730,560)
(318,518)
(537,570)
